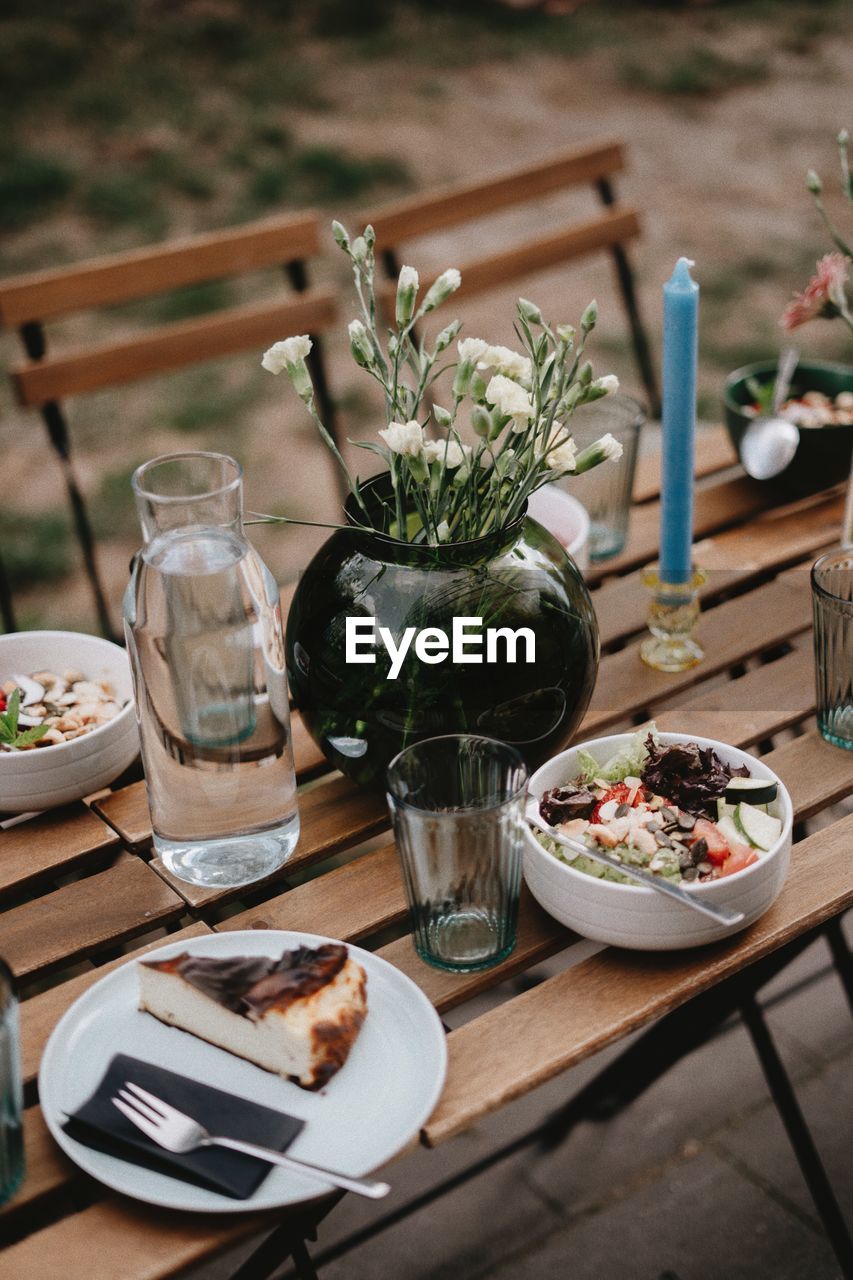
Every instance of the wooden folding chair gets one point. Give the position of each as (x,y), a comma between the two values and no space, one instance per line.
(45,380)
(610,231)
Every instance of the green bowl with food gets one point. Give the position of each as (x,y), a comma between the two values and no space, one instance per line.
(820,403)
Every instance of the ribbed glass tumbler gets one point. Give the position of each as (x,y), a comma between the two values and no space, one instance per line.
(457,803)
(832,600)
(605,491)
(11,1097)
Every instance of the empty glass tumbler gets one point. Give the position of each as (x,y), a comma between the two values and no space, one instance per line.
(204,632)
(11,1097)
(457,803)
(832,601)
(605,491)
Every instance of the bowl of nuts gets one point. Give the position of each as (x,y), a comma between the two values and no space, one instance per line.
(67,722)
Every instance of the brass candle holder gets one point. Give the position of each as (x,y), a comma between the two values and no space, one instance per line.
(673,615)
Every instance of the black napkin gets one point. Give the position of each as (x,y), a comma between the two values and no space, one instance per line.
(101,1125)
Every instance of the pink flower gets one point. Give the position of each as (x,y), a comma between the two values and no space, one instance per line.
(822,296)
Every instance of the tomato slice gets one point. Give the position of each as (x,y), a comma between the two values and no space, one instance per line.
(619,792)
(739,858)
(718,849)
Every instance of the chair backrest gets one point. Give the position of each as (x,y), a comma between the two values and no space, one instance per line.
(610,230)
(45,379)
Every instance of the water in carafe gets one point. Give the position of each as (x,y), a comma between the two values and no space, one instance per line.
(205,636)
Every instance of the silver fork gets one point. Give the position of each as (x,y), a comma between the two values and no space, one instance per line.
(176,1132)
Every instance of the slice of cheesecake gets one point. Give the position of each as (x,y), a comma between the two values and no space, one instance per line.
(297,1016)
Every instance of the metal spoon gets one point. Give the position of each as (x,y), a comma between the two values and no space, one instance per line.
(769,443)
(722,915)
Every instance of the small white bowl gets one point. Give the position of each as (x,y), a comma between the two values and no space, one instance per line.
(631,915)
(565,517)
(50,776)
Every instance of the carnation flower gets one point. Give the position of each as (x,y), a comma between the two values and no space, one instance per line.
(471,349)
(449,452)
(509,363)
(608,384)
(602,450)
(405,438)
(407,287)
(290,351)
(563,457)
(448,282)
(822,296)
(511,400)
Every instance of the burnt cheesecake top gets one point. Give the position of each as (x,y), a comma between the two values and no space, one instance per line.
(251,985)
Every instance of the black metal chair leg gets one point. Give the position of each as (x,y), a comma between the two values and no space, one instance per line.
(799,1135)
(627,288)
(276,1249)
(7,608)
(841,956)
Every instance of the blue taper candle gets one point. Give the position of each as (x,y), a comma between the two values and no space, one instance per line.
(680,349)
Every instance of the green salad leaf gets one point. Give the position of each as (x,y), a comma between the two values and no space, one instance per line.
(10,735)
(628,761)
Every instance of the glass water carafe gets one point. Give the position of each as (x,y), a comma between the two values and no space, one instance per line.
(204,632)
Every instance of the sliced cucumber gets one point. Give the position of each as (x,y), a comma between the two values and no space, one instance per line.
(761,829)
(753,790)
(730,831)
(725,810)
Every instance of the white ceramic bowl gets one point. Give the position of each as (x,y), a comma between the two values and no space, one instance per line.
(565,517)
(631,915)
(50,776)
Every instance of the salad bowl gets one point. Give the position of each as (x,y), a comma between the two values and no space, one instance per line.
(625,915)
(47,776)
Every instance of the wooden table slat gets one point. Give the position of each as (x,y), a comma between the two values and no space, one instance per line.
(519,1045)
(48,1170)
(714,452)
(51,845)
(334,816)
(83,917)
(40,1013)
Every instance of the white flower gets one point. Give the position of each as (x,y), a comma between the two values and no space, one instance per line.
(409,278)
(610,446)
(290,351)
(511,400)
(405,438)
(608,384)
(434,451)
(448,282)
(509,363)
(471,349)
(443,531)
(563,457)
(407,288)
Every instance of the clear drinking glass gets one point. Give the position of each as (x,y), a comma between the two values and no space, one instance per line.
(832,602)
(11,1096)
(204,632)
(606,490)
(457,803)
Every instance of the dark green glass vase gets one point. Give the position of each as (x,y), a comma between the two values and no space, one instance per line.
(520,577)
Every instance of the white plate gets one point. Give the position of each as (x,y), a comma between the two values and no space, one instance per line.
(375,1104)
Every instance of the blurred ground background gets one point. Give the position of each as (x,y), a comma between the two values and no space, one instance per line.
(131,121)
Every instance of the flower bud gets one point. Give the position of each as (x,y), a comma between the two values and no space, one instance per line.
(843,138)
(600,451)
(814,183)
(407,288)
(585,374)
(529,311)
(448,282)
(446,336)
(369,236)
(359,341)
(566,333)
(441,416)
(339,231)
(358,250)
(481,421)
(589,317)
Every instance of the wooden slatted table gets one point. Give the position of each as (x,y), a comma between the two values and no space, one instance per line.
(80,889)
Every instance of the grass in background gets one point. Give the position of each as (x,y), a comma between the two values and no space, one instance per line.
(32,185)
(36,548)
(698,72)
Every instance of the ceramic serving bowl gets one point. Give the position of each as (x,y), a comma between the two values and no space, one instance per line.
(49,776)
(631,915)
(823,454)
(561,514)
